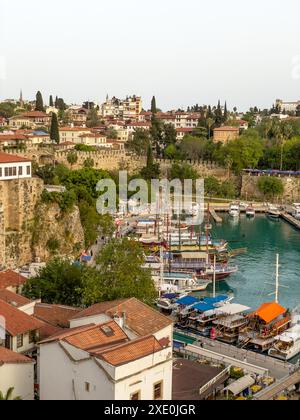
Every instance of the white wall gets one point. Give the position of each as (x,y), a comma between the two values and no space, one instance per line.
(21,377)
(64,379)
(16,165)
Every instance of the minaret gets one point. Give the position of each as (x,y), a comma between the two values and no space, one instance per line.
(21,99)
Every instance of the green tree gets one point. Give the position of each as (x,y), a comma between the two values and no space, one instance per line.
(183,171)
(72,158)
(89,163)
(92,118)
(39,103)
(139,142)
(270,186)
(151,171)
(212,186)
(58,283)
(153,105)
(120,274)
(51,103)
(54,130)
(7,109)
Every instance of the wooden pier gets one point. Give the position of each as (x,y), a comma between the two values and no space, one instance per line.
(290,219)
(214,215)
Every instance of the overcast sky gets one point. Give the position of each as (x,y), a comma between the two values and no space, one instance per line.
(183,51)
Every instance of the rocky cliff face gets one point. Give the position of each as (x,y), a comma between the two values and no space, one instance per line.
(29,229)
(56,232)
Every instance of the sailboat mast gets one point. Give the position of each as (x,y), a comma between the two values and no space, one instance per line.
(277,280)
(214,279)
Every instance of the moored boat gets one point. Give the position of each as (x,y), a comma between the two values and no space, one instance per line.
(273,212)
(286,345)
(250,212)
(234,210)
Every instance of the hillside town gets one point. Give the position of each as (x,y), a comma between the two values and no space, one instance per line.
(132,305)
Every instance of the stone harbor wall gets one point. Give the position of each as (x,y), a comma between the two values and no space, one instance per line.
(291,189)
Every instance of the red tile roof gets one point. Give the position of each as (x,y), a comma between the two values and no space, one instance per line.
(131,351)
(140,317)
(10,357)
(13,298)
(7,158)
(95,337)
(56,315)
(35,114)
(10,278)
(74,129)
(16,321)
(12,137)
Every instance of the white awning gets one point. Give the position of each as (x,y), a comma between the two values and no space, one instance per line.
(232,309)
(240,385)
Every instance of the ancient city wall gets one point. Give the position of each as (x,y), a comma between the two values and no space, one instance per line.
(291,188)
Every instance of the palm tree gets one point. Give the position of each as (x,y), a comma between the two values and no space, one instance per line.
(9,395)
(209,122)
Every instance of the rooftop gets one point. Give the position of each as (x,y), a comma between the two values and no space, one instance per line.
(16,321)
(56,315)
(7,158)
(13,298)
(140,318)
(91,337)
(129,352)
(10,278)
(269,311)
(189,377)
(10,357)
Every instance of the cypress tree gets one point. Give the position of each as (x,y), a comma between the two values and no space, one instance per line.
(56,102)
(39,103)
(225,118)
(54,131)
(51,101)
(150,159)
(153,105)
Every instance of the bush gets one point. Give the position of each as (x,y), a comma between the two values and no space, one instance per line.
(270,186)
(65,200)
(52,245)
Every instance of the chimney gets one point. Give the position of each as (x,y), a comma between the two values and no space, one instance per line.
(124,319)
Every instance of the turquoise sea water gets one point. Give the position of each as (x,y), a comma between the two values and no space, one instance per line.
(264,238)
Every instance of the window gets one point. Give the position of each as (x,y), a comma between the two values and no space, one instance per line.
(87,386)
(0,172)
(19,341)
(32,337)
(136,396)
(158,391)
(14,171)
(20,170)
(28,170)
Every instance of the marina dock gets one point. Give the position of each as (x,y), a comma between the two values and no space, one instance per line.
(290,219)
(219,351)
(214,215)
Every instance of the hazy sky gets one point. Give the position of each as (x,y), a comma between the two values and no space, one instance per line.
(183,51)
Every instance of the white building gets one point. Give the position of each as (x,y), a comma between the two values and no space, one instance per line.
(14,167)
(116,351)
(72,134)
(16,371)
(287,106)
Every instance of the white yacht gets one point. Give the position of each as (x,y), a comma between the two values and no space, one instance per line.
(273,212)
(287,345)
(250,211)
(234,210)
(296,211)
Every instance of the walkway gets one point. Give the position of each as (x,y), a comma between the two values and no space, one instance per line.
(279,387)
(277,368)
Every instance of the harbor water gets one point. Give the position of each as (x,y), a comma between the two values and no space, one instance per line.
(255,281)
